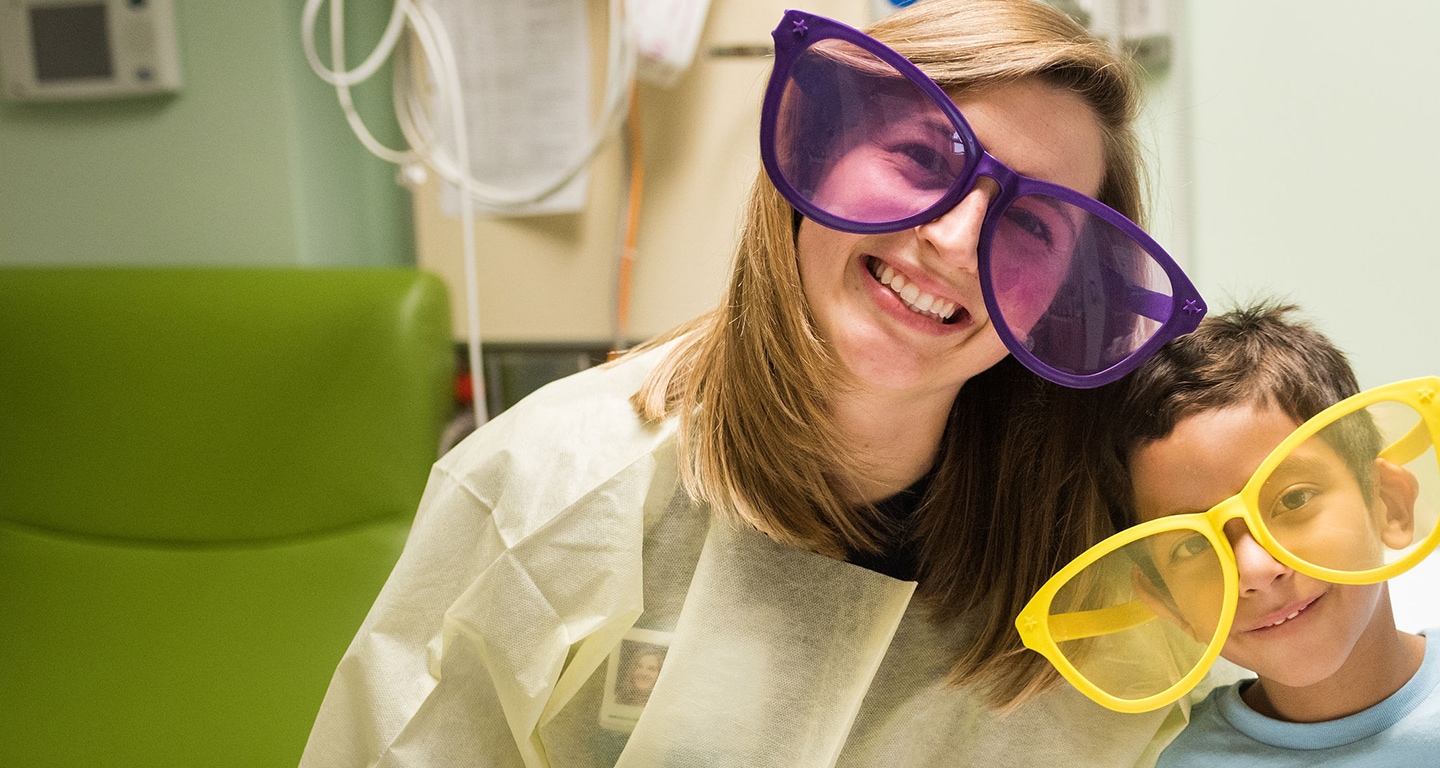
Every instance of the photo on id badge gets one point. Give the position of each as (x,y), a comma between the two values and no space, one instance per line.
(630,675)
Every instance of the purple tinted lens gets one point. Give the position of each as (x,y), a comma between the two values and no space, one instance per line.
(1074,290)
(859,141)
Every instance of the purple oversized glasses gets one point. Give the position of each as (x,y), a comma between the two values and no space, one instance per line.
(858,139)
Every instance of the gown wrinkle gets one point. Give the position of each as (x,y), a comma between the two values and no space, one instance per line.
(594,568)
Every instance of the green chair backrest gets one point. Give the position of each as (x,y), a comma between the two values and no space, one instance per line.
(205,477)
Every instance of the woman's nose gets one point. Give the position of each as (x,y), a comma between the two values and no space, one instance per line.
(1258,568)
(955,234)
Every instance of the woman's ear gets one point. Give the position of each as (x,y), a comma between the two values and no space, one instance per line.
(1396,488)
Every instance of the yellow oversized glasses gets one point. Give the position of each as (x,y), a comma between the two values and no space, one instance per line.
(1350,497)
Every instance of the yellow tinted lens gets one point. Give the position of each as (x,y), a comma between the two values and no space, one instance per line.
(1342,501)
(1139,619)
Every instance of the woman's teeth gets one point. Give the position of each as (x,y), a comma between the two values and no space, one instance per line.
(920,303)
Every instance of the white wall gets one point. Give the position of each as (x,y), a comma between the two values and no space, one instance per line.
(1314,144)
(1314,173)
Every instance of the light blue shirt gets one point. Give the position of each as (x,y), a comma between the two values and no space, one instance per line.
(1402,730)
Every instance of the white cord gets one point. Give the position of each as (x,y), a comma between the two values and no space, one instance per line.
(414,108)
(373,62)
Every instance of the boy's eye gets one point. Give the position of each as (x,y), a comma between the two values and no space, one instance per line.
(1293,499)
(1189,547)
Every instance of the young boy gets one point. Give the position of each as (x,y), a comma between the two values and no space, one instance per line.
(1337,683)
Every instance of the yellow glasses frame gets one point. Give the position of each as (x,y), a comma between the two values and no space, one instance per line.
(1042,632)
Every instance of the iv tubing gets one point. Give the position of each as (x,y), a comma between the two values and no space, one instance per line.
(632,226)
(427,30)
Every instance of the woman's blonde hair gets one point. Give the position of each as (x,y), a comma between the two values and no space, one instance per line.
(751,382)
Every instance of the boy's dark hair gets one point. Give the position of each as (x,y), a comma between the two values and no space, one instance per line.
(1261,355)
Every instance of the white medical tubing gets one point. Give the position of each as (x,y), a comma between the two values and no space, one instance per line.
(428,30)
(372,63)
(421,106)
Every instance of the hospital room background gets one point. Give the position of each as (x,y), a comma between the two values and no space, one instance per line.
(1292,150)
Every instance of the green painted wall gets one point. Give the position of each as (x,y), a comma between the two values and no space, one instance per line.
(251,163)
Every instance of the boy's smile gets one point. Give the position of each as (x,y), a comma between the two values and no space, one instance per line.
(1284,615)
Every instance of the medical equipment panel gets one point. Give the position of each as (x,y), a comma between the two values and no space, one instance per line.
(87,49)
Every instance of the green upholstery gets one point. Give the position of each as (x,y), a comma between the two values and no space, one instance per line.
(205,477)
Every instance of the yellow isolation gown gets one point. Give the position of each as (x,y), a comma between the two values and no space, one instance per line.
(555,547)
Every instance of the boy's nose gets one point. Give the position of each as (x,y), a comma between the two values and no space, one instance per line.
(1257,567)
(955,234)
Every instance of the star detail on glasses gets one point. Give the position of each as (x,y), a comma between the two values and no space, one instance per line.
(1031,623)
(1192,306)
(1426,394)
(799,28)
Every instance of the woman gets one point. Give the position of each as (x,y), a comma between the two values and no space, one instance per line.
(766,490)
(641,671)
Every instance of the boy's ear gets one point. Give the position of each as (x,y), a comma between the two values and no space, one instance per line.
(1396,488)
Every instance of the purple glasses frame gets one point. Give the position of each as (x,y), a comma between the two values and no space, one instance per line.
(1182,310)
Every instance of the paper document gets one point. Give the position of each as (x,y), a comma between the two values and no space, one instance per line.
(525,77)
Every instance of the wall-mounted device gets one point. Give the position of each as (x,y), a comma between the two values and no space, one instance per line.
(87,49)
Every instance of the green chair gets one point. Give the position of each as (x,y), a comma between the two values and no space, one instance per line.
(205,477)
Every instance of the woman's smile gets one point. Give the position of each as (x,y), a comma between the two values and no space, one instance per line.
(915,299)
(925,304)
